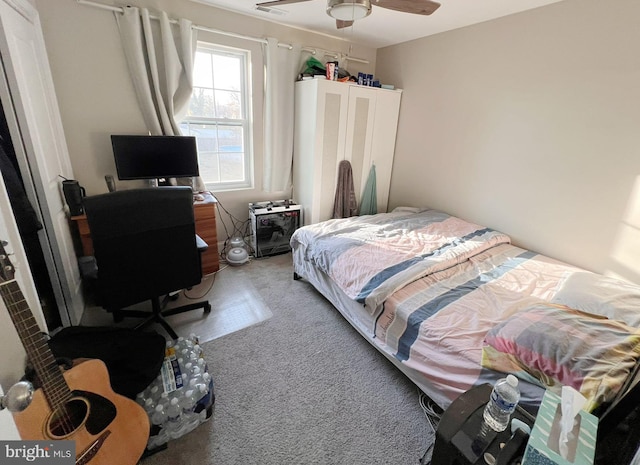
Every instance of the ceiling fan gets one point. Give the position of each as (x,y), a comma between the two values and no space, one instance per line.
(347,11)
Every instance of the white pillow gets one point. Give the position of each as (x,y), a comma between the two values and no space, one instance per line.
(601,295)
(410,209)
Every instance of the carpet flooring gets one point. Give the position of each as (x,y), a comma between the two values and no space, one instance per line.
(300,387)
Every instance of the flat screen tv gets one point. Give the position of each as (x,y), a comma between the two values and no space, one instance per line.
(155,157)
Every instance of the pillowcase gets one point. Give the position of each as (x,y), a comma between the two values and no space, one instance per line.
(410,209)
(560,346)
(601,295)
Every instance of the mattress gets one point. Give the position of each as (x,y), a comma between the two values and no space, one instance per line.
(445,301)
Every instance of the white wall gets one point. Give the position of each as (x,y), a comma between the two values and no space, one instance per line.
(526,123)
(8,430)
(529,124)
(96,96)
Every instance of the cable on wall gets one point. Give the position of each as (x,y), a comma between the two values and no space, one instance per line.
(240,228)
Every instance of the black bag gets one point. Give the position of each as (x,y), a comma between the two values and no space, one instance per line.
(133,358)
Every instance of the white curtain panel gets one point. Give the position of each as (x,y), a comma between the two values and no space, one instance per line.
(282,68)
(160,56)
(161,66)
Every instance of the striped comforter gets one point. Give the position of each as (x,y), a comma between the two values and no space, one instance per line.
(371,257)
(435,286)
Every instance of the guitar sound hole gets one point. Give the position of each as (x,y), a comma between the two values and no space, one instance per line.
(68,418)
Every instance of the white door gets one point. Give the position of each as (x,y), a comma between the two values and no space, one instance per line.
(360,123)
(330,137)
(28,96)
(12,354)
(383,144)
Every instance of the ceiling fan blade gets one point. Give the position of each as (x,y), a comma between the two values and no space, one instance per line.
(418,7)
(280,2)
(342,24)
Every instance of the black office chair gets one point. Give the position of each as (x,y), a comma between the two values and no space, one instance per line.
(145,248)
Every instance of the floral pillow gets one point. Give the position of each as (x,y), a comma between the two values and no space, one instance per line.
(560,346)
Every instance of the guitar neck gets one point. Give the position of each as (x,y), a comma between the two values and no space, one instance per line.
(53,383)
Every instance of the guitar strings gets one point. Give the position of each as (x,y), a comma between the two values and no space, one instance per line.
(39,353)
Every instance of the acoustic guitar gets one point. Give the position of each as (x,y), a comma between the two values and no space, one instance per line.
(77,404)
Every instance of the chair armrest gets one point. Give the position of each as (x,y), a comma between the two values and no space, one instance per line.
(201,244)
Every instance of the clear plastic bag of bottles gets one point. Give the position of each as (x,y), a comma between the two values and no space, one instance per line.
(182,396)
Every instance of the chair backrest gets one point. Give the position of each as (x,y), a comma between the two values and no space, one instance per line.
(144,243)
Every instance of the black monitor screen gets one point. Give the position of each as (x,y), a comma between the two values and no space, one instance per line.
(155,157)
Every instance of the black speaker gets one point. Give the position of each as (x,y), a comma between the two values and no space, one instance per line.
(73,195)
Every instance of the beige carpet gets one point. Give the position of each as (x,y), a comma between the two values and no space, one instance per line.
(301,387)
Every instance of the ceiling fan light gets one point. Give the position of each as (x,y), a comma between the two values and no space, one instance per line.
(345,10)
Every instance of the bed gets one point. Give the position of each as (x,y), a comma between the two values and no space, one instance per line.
(454,304)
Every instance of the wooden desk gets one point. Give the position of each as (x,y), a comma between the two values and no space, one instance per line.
(205,216)
(204,212)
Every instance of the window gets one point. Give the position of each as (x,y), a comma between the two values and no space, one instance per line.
(219,116)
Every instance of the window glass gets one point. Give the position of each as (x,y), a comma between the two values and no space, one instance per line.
(227,72)
(217,116)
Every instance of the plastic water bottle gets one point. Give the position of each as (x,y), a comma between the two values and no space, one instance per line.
(159,416)
(154,392)
(174,413)
(149,406)
(502,403)
(163,400)
(188,403)
(178,412)
(201,394)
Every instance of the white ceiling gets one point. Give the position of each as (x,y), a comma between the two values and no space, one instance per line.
(384,27)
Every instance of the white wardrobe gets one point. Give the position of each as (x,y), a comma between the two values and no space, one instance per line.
(338,121)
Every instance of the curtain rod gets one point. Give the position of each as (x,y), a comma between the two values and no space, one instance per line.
(313,51)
